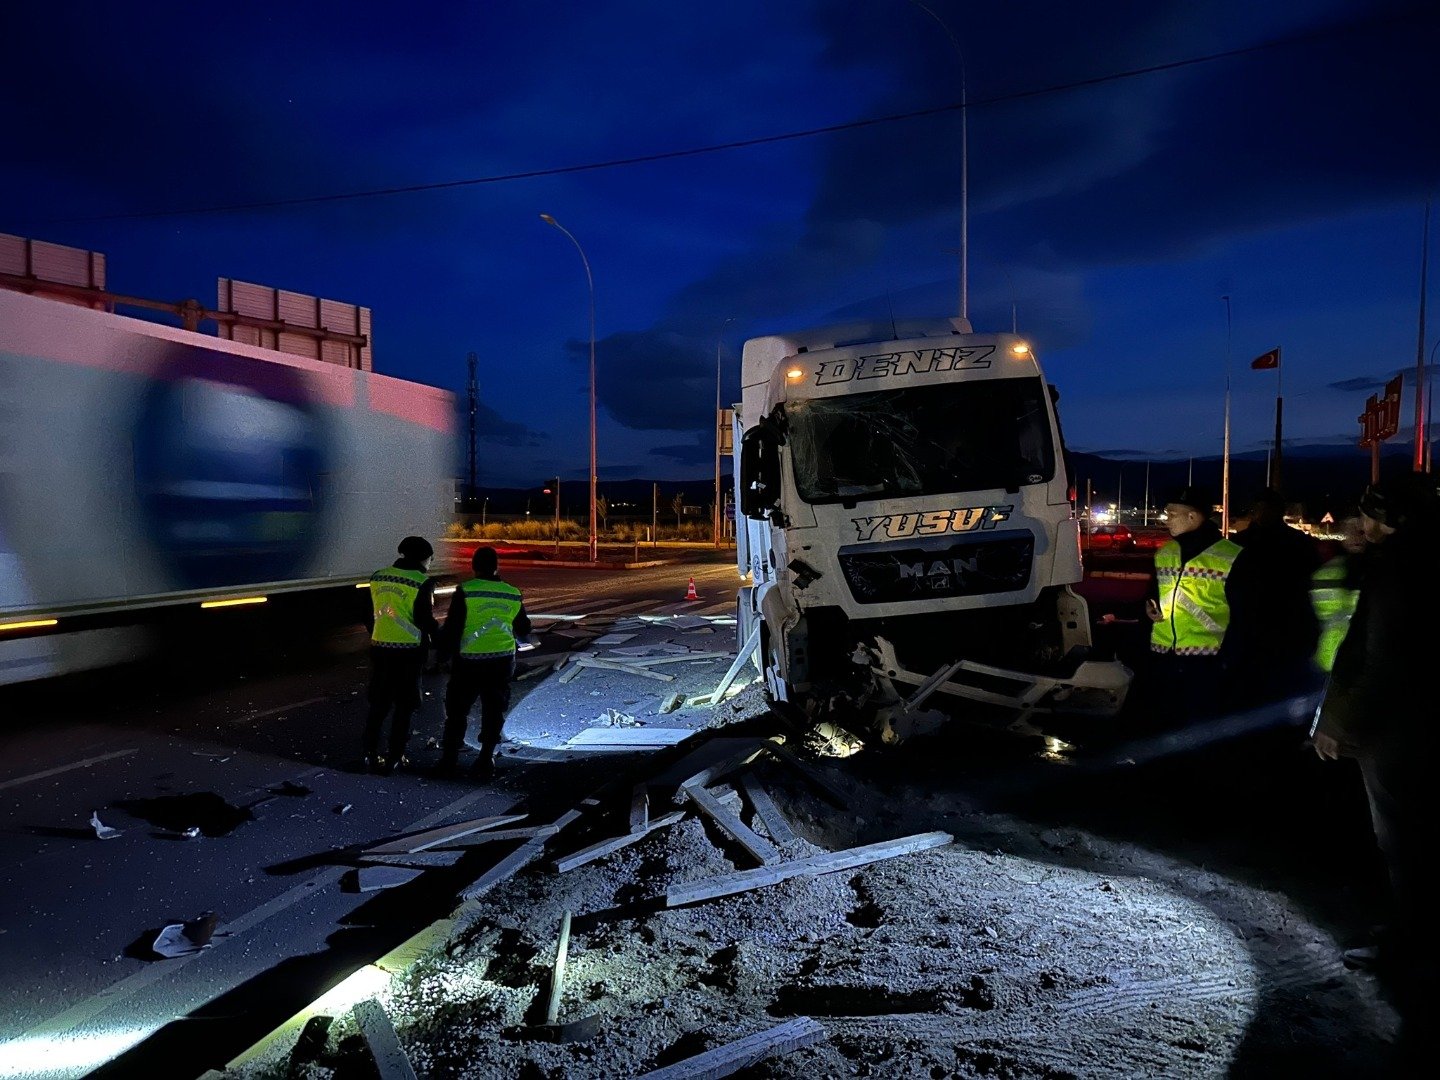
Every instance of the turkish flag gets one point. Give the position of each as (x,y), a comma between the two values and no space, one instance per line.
(1270,360)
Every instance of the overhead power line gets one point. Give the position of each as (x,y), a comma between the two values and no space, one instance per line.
(1309,37)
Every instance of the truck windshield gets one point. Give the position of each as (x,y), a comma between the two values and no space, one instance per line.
(921,440)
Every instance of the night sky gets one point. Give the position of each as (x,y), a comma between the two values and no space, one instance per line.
(1112,215)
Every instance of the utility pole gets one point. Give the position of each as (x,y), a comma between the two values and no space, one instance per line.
(655,515)
(1147,493)
(1420,348)
(472,491)
(1225,455)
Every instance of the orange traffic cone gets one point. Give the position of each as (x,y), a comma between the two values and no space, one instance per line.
(690,593)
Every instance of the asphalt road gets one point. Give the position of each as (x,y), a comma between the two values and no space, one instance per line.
(254,737)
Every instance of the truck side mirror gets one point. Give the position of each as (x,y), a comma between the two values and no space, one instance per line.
(760,472)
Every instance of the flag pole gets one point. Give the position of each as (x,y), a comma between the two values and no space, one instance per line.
(1274,478)
(1419,461)
(1225,454)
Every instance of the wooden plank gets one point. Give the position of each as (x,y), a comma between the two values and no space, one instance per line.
(376,878)
(507,867)
(639,809)
(419,860)
(408,845)
(557,973)
(765,808)
(709,761)
(732,1057)
(655,661)
(613,639)
(812,866)
(628,669)
(390,1059)
(615,843)
(757,847)
(530,832)
(751,643)
(833,795)
(641,736)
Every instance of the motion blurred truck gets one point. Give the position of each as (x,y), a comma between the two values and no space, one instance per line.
(155,478)
(910,528)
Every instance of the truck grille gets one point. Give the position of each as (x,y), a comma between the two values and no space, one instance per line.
(998,563)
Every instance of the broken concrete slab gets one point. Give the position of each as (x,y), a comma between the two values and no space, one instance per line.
(825,863)
(742,1053)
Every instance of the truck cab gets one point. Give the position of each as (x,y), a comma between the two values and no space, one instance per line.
(909,520)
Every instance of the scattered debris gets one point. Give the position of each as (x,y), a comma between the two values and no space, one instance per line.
(627,668)
(759,849)
(420,860)
(376,878)
(615,843)
(557,973)
(203,811)
(718,694)
(191,833)
(616,718)
(732,1057)
(218,759)
(182,939)
(435,837)
(765,809)
(639,809)
(529,832)
(613,639)
(826,863)
(670,704)
(102,831)
(391,1063)
(629,737)
(344,808)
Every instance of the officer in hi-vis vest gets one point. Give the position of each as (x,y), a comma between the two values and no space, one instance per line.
(402,598)
(484,623)
(1190,610)
(1335,590)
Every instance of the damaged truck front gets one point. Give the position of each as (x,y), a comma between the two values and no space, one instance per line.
(909,528)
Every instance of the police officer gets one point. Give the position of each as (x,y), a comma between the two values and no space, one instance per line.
(1190,609)
(485,619)
(1335,590)
(402,599)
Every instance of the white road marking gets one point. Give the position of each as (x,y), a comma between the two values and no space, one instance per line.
(84,763)
(277,711)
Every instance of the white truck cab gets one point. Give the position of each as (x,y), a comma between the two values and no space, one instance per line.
(909,522)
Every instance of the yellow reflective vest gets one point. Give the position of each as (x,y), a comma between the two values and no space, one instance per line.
(393,593)
(1192,599)
(490,610)
(1334,604)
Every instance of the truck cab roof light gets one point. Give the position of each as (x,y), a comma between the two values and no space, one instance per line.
(1020,349)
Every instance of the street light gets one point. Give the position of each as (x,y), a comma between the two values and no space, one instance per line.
(719,340)
(594,476)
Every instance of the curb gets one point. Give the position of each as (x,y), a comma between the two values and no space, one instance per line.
(361,983)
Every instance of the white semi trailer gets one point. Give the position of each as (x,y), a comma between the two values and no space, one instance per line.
(909,527)
(154,478)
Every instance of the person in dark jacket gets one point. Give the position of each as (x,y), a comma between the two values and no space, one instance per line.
(482,629)
(403,623)
(1189,609)
(1379,708)
(1273,630)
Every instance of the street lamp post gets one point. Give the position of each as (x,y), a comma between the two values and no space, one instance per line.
(594,472)
(719,340)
